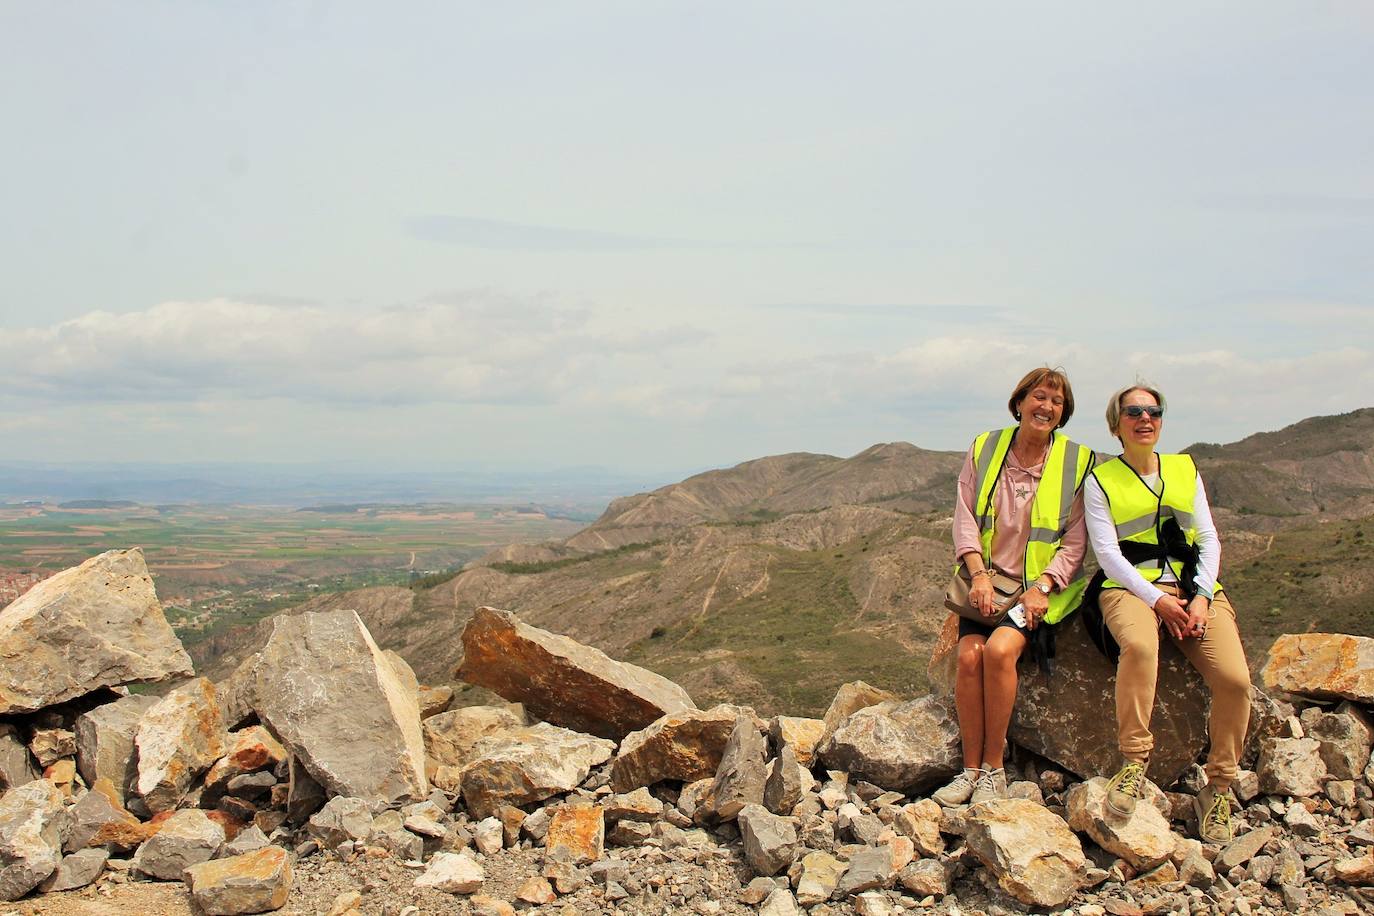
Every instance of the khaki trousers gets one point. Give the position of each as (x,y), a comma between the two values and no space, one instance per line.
(1217,655)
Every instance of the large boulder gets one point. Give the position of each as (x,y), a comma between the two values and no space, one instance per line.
(1324,666)
(178,739)
(800,734)
(237,693)
(562,681)
(99,818)
(684,746)
(33,827)
(1033,854)
(94,625)
(105,742)
(1345,737)
(451,736)
(907,747)
(849,699)
(742,773)
(528,765)
(1144,839)
(1069,718)
(256,882)
(340,706)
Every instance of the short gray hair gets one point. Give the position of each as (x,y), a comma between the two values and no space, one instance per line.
(1114,405)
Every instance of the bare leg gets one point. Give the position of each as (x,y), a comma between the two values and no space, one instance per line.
(1003,648)
(968,699)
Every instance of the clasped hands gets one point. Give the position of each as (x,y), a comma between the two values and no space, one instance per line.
(1183,621)
(982,596)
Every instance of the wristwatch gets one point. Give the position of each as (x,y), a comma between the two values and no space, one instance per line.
(1044,589)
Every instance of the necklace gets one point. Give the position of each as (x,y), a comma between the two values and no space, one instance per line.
(1019,449)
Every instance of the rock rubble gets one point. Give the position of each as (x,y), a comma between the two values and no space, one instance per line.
(605,790)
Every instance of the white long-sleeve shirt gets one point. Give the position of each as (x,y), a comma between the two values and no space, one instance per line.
(1102,535)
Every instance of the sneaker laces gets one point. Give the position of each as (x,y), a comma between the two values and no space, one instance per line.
(1219,813)
(968,777)
(1132,775)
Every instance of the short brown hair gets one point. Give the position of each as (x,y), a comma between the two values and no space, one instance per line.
(1052,378)
(1114,405)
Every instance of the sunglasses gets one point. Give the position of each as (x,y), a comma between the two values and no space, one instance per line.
(1135,411)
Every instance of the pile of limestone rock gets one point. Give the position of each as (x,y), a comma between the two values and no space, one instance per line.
(600,787)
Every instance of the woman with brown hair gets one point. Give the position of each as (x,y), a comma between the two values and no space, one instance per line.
(1019,513)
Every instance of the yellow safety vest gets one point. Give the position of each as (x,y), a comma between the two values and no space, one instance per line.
(1138,512)
(1066,467)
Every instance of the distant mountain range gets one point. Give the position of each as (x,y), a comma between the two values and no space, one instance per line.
(776,580)
(580,492)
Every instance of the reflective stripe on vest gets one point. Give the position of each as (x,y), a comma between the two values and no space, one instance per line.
(1138,512)
(1066,467)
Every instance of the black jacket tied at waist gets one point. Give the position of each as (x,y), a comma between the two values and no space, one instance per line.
(1173,543)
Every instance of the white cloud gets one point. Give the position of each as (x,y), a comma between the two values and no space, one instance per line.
(480,348)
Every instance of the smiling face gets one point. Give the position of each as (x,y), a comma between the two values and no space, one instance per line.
(1041,409)
(1143,430)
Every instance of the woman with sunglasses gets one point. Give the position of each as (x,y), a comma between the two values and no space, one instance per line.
(1152,532)
(1019,513)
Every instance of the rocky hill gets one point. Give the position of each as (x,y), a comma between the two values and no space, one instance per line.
(775,581)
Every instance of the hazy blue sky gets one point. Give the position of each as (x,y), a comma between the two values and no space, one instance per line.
(665,235)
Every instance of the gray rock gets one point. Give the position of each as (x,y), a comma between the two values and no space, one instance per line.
(1345,737)
(250,839)
(528,765)
(97,819)
(186,838)
(255,882)
(1033,854)
(389,832)
(924,877)
(638,805)
(105,742)
(1291,766)
(249,765)
(237,694)
(1242,848)
(1300,821)
(909,747)
(740,777)
(49,745)
(451,736)
(684,746)
(76,870)
(16,763)
(783,787)
(770,841)
(849,699)
(178,739)
(453,873)
(779,903)
(339,705)
(95,625)
(341,820)
(870,868)
(32,829)
(488,835)
(304,796)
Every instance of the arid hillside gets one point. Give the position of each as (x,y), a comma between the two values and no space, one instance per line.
(773,582)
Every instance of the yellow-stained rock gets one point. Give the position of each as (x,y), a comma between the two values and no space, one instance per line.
(255,882)
(577,835)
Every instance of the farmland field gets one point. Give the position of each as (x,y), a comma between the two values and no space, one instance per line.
(216,566)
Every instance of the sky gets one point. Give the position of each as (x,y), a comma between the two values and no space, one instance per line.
(660,235)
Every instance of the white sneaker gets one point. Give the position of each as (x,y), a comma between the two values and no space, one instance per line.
(958,790)
(991,784)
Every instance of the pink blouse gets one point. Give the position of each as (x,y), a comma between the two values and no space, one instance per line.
(1012,503)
